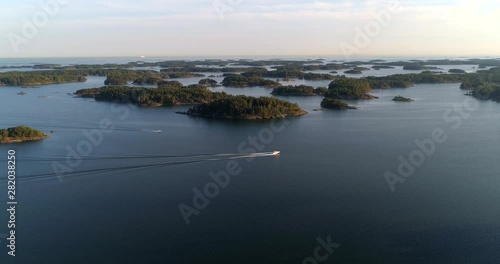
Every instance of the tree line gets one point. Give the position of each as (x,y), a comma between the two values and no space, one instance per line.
(246,107)
(20,132)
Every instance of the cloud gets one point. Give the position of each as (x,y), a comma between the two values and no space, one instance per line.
(268,27)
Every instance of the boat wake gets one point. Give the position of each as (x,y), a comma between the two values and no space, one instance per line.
(146,161)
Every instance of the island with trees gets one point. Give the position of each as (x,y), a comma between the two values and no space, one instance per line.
(418,67)
(122,77)
(40,78)
(261,63)
(301,90)
(349,89)
(20,134)
(379,67)
(207,103)
(142,77)
(459,71)
(170,94)
(170,84)
(489,91)
(180,74)
(402,99)
(323,67)
(292,71)
(209,82)
(357,70)
(240,81)
(243,65)
(353,72)
(482,84)
(286,73)
(335,104)
(163,96)
(246,107)
(407,80)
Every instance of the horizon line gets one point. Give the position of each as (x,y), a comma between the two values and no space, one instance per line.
(493,56)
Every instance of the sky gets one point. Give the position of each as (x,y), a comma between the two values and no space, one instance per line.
(225,28)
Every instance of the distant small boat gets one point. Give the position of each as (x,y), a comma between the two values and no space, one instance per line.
(276,153)
(22,93)
(157,131)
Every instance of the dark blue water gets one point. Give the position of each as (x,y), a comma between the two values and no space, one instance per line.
(329,180)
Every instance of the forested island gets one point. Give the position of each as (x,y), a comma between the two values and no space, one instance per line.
(242,65)
(353,72)
(250,81)
(301,90)
(20,134)
(483,63)
(167,74)
(255,73)
(456,71)
(290,73)
(208,104)
(209,82)
(488,91)
(113,76)
(246,107)
(356,70)
(40,77)
(168,94)
(349,89)
(140,77)
(379,67)
(402,99)
(418,67)
(335,104)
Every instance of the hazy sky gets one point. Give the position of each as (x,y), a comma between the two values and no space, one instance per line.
(246,28)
